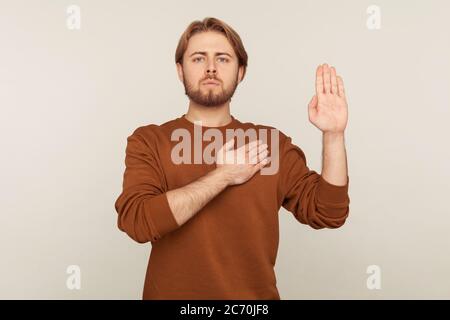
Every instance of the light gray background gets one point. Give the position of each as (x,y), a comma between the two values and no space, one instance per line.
(69,99)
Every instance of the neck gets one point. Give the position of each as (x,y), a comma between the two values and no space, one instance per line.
(209,116)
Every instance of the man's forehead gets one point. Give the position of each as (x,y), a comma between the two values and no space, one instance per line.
(210,42)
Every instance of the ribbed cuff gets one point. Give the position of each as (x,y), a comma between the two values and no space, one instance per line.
(160,215)
(330,193)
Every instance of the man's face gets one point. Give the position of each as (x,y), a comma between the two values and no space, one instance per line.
(209,57)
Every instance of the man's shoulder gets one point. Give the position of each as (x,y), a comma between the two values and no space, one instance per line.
(154,131)
(152,128)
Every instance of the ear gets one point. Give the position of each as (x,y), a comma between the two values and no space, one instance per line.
(240,73)
(180,71)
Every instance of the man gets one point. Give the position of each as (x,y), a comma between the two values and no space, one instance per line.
(214,226)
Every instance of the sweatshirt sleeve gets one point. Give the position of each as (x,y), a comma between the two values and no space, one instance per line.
(142,207)
(306,194)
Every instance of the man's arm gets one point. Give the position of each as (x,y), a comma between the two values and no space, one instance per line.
(334,159)
(186,201)
(328,112)
(320,201)
(147,210)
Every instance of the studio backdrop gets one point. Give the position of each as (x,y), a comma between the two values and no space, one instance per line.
(78,77)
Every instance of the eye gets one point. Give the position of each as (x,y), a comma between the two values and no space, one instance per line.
(224,59)
(196,59)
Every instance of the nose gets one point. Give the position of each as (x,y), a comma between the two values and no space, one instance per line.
(211,70)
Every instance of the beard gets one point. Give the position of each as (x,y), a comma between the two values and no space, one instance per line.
(210,98)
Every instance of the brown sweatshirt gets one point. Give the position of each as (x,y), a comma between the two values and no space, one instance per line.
(228,249)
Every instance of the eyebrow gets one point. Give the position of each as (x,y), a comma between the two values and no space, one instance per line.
(203,53)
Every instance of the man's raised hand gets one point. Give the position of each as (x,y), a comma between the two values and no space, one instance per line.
(328,109)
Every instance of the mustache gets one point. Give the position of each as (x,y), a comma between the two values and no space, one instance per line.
(211,78)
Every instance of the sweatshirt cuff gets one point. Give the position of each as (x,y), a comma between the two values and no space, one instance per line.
(330,193)
(160,215)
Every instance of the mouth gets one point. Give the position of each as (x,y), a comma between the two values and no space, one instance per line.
(211,83)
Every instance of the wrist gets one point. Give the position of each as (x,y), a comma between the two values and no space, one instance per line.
(333,136)
(222,175)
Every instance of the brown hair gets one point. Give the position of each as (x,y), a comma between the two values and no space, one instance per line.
(212,24)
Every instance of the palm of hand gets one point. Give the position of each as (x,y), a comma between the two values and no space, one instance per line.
(328,109)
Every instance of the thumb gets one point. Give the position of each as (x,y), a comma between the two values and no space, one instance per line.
(313,103)
(312,107)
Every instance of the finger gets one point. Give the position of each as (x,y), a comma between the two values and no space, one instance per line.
(261,164)
(326,79)
(313,102)
(240,155)
(257,146)
(253,153)
(228,152)
(319,80)
(229,144)
(250,145)
(312,107)
(334,86)
(341,88)
(258,157)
